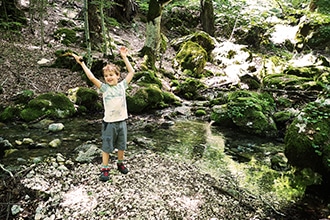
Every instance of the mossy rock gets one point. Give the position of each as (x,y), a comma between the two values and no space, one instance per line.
(282,116)
(89,99)
(145,98)
(171,99)
(53,105)
(221,117)
(307,140)
(251,112)
(23,97)
(200,112)
(147,77)
(314,32)
(190,89)
(287,82)
(192,57)
(200,37)
(65,62)
(10,113)
(181,21)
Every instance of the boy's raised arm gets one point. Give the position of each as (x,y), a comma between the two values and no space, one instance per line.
(123,52)
(87,71)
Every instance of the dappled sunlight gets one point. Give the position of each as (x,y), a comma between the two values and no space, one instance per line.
(79,199)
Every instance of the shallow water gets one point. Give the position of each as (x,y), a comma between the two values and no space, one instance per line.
(219,152)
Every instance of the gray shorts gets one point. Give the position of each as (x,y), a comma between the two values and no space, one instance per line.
(114,135)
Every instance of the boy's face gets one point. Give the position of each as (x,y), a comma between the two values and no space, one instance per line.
(111,78)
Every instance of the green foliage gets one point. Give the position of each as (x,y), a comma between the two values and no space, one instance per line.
(321,36)
(185,3)
(228,13)
(316,112)
(66,36)
(143,6)
(12,26)
(323,6)
(111,22)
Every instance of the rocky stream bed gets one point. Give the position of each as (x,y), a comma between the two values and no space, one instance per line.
(159,185)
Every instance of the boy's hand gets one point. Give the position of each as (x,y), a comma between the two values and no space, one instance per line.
(79,59)
(123,51)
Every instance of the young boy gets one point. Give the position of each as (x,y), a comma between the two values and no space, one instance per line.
(114,130)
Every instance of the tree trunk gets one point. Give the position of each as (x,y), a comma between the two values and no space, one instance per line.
(104,36)
(207,16)
(123,10)
(42,27)
(151,46)
(95,27)
(313,5)
(87,36)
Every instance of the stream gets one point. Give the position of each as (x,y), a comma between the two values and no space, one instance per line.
(217,151)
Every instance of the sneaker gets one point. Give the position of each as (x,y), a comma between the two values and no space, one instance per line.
(104,174)
(122,168)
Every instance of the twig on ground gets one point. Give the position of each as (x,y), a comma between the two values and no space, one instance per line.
(4,169)
(3,83)
(26,170)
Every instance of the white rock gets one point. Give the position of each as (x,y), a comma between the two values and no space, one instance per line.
(43,61)
(28,141)
(55,143)
(55,127)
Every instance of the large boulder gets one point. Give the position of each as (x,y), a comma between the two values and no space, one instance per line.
(249,111)
(192,58)
(313,31)
(87,99)
(53,105)
(295,83)
(200,37)
(307,140)
(147,93)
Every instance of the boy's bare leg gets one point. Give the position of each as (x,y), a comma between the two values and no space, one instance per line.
(120,155)
(105,158)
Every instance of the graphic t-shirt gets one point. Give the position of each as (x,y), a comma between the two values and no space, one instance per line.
(114,101)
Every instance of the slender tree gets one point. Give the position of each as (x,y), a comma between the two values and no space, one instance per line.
(42,7)
(95,26)
(151,46)
(207,16)
(312,5)
(87,36)
(31,14)
(104,30)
